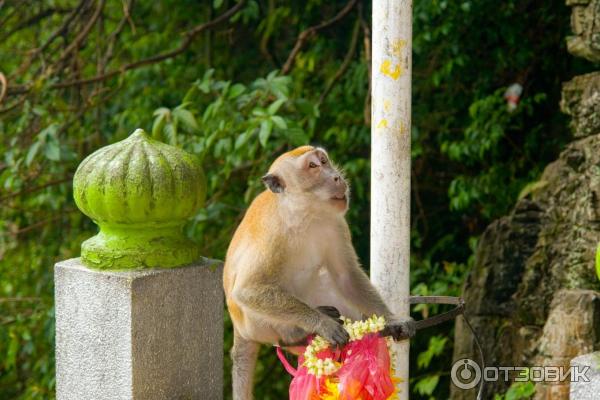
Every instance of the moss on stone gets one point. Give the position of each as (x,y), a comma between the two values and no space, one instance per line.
(140,192)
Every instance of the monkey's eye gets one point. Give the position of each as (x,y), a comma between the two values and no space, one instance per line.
(323,161)
(312,165)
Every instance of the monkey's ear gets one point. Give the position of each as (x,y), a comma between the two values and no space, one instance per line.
(274,183)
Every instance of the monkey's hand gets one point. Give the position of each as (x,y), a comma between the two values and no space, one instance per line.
(332,312)
(332,331)
(400,329)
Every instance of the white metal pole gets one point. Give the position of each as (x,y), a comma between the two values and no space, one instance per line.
(390,163)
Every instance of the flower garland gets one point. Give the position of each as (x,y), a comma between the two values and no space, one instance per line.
(362,369)
(356,330)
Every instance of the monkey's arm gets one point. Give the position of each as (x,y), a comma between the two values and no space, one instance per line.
(357,288)
(274,303)
(352,281)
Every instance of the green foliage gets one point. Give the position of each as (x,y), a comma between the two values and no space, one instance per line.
(491,123)
(426,386)
(221,98)
(518,391)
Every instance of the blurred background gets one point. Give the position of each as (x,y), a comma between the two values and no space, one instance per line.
(79,74)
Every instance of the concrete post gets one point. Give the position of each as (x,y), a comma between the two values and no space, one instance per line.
(140,315)
(150,334)
(390,164)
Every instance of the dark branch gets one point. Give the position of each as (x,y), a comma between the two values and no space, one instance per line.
(367,42)
(345,64)
(127,7)
(310,32)
(35,52)
(4,86)
(75,44)
(63,28)
(36,188)
(34,19)
(187,41)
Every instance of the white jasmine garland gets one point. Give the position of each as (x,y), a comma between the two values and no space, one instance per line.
(356,330)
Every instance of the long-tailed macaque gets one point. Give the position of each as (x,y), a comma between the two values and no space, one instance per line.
(291,267)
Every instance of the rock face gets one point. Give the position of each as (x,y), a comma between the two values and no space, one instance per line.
(533,295)
(585,22)
(581,100)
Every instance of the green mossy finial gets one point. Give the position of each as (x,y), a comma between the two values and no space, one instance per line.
(598,261)
(140,192)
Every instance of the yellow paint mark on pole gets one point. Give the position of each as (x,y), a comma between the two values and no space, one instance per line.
(402,128)
(382,124)
(386,69)
(397,46)
(387,105)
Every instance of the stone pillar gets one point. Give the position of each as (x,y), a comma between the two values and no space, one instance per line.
(150,334)
(140,315)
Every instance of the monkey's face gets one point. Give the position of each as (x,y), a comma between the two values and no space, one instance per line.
(310,177)
(318,176)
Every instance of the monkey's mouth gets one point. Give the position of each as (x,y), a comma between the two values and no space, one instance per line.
(340,198)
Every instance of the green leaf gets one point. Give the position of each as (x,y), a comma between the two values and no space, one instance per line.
(171,133)
(275,106)
(206,82)
(52,149)
(161,111)
(265,131)
(13,349)
(187,119)
(31,153)
(427,385)
(51,144)
(279,122)
(158,125)
(259,112)
(435,348)
(520,391)
(236,90)
(241,140)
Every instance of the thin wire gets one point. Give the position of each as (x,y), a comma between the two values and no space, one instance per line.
(480,392)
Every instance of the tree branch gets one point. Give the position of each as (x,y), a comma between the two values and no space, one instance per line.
(36,188)
(4,86)
(187,41)
(33,20)
(34,53)
(345,64)
(43,223)
(19,299)
(83,34)
(127,7)
(63,27)
(310,32)
(189,36)
(367,43)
